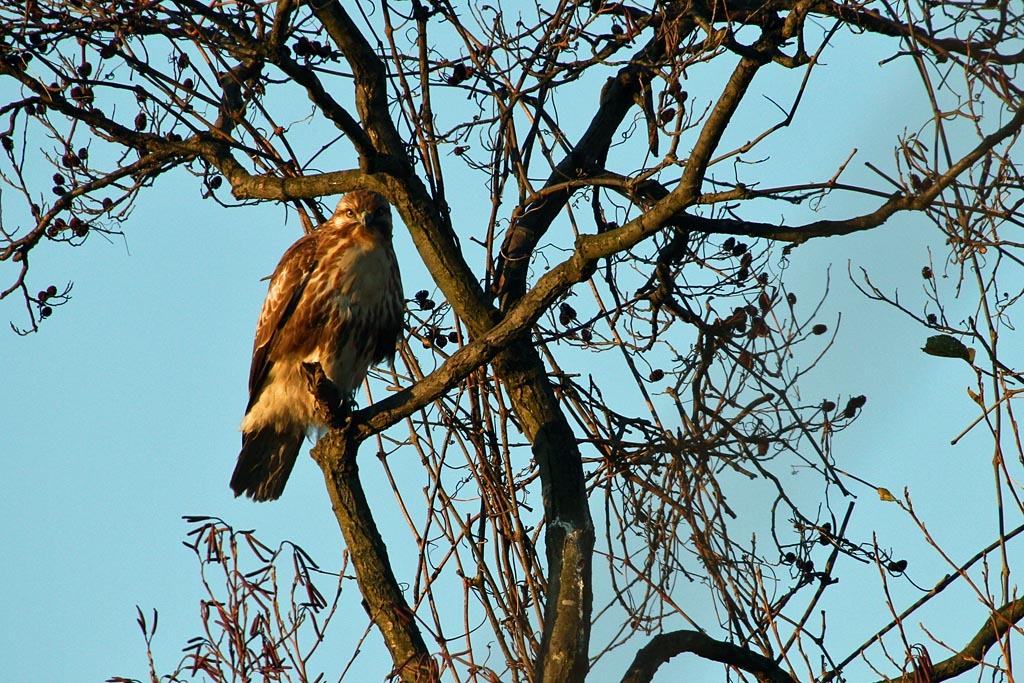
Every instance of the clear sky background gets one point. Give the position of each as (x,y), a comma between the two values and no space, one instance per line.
(120,416)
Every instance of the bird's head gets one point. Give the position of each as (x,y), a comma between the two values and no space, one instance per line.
(365,213)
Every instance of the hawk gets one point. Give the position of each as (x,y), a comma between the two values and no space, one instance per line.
(334,299)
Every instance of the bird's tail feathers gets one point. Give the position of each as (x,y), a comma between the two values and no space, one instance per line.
(265,461)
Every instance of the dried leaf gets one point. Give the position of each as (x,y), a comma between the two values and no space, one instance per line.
(947,346)
(885,496)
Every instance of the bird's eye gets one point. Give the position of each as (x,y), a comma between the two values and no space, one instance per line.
(350,213)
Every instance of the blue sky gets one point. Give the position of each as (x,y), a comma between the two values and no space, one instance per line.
(120,416)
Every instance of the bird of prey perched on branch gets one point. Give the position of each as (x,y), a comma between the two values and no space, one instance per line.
(335,300)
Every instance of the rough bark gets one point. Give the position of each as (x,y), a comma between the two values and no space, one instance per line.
(335,453)
(569,531)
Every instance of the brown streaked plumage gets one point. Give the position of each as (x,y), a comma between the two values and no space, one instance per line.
(334,299)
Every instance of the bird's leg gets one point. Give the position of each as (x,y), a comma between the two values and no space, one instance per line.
(331,407)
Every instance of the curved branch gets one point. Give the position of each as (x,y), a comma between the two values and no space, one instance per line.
(665,646)
(997,625)
(944,583)
(670,211)
(871,20)
(586,158)
(833,228)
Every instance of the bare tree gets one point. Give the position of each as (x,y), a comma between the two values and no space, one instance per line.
(624,230)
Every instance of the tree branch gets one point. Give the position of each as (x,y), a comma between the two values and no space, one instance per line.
(335,453)
(430,228)
(665,646)
(369,75)
(997,625)
(943,583)
(833,228)
(245,185)
(713,129)
(330,107)
(569,530)
(587,157)
(979,51)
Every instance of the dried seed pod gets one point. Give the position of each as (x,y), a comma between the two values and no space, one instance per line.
(853,405)
(759,328)
(460,73)
(897,566)
(79,227)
